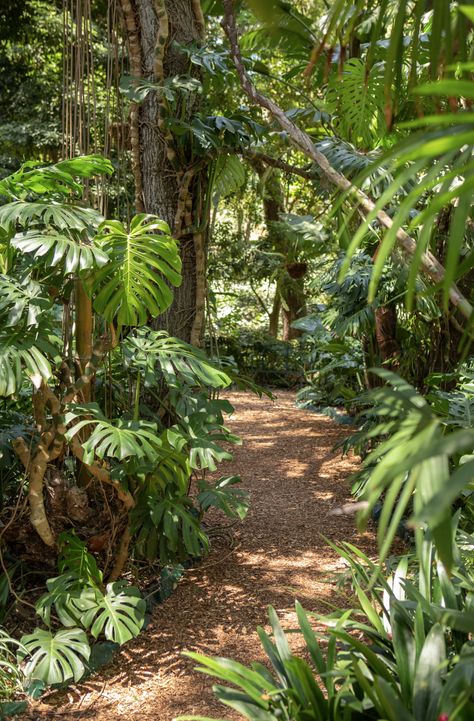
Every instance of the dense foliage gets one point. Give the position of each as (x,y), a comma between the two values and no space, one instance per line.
(322,155)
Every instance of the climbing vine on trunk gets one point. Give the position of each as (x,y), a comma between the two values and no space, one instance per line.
(169,180)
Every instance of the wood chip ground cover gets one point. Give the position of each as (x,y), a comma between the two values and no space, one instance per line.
(295,481)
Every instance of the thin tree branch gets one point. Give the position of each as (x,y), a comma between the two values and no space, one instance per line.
(260,300)
(276,163)
(429,264)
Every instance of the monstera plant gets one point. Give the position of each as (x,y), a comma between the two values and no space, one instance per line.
(117,416)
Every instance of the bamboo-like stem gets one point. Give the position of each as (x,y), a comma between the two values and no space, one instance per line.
(430,265)
(84,323)
(136,405)
(84,326)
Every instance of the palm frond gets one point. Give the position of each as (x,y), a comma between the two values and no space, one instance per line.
(440,160)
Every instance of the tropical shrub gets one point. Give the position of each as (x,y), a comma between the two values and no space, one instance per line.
(99,409)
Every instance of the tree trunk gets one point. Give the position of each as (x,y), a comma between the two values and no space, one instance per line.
(386,335)
(275,314)
(295,302)
(163,181)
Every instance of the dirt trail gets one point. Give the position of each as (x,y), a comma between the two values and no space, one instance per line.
(295,481)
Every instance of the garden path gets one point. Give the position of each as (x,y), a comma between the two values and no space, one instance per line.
(296,482)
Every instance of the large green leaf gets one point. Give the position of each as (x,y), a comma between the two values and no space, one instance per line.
(55,657)
(60,596)
(58,178)
(53,214)
(24,354)
(178,361)
(428,684)
(21,301)
(55,249)
(119,613)
(222,494)
(75,558)
(282,28)
(168,528)
(204,435)
(229,176)
(357,99)
(144,262)
(118,438)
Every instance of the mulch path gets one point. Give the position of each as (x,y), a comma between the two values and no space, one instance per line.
(295,481)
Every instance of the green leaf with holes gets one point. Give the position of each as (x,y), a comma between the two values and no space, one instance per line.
(119,613)
(55,657)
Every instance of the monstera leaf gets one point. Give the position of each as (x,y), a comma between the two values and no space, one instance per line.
(229,176)
(167,528)
(53,214)
(357,101)
(63,593)
(144,262)
(75,558)
(172,467)
(119,613)
(204,434)
(114,439)
(146,349)
(222,494)
(21,301)
(56,249)
(54,657)
(57,179)
(26,353)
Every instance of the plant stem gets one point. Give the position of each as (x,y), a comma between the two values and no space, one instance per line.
(136,405)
